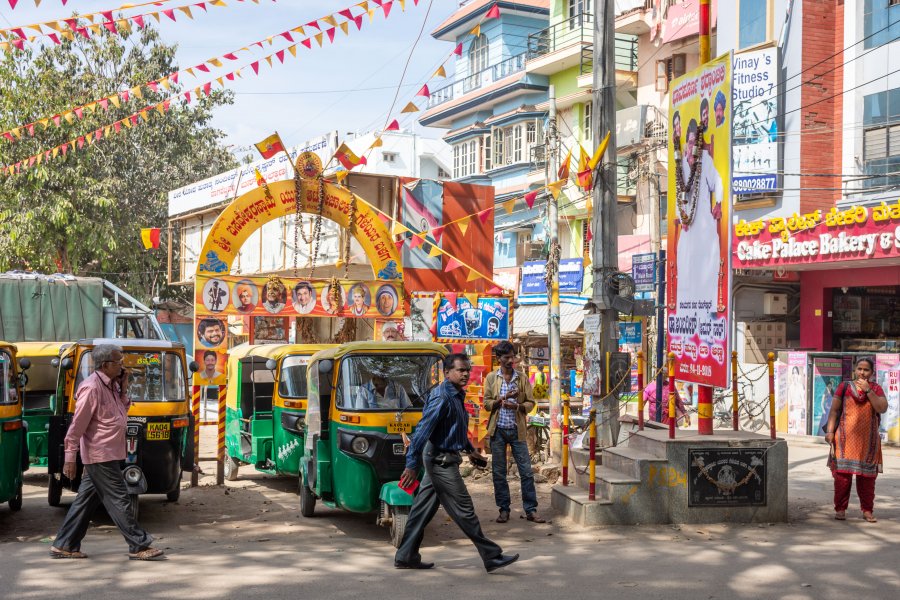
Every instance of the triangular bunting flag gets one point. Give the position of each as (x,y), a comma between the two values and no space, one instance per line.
(452,264)
(434,251)
(410,108)
(463,225)
(485,215)
(458,50)
(441,72)
(473,276)
(472,297)
(424,91)
(476,31)
(450,296)
(393,126)
(556,187)
(530,197)
(437,232)
(415,241)
(598,153)
(377,143)
(494,13)
(508,206)
(399,229)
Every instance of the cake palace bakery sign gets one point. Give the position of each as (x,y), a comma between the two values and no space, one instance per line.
(855,233)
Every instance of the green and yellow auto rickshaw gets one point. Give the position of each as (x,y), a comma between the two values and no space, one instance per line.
(13,453)
(40,393)
(158,442)
(363,396)
(265,405)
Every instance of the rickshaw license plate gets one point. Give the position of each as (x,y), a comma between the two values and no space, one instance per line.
(157,431)
(399,427)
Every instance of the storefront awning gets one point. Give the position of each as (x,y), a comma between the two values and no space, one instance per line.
(533,319)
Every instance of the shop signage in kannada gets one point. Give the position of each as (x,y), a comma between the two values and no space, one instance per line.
(720,477)
(855,233)
(571,276)
(643,271)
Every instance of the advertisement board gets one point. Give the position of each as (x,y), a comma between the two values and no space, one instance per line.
(571,276)
(826,379)
(698,295)
(755,130)
(460,319)
(643,271)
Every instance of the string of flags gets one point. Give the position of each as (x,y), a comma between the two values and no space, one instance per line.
(142,115)
(321,33)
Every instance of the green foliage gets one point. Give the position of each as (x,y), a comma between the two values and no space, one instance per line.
(83,213)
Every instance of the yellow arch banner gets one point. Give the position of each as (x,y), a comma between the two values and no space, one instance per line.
(252,210)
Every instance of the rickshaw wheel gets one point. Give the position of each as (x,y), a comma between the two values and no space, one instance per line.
(307,499)
(135,507)
(174,494)
(400,514)
(15,503)
(231,468)
(54,491)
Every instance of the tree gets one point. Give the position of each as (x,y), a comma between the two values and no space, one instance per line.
(82,213)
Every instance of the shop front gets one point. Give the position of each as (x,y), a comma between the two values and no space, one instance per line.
(847,266)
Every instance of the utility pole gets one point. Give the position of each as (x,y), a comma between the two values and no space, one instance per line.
(552,280)
(605,251)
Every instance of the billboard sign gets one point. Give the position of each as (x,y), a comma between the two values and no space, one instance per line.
(755,127)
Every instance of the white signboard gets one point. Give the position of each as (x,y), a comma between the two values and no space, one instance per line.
(755,128)
(225,186)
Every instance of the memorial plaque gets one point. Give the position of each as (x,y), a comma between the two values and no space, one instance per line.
(727,477)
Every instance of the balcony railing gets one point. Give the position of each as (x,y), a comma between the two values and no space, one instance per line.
(579,30)
(478,80)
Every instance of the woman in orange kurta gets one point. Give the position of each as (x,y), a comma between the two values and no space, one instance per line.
(852,432)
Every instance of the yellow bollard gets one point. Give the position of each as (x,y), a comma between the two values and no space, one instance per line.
(671,395)
(640,399)
(592,460)
(565,443)
(771,361)
(734,392)
(220,454)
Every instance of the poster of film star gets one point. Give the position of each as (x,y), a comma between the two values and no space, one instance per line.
(755,130)
(488,319)
(698,294)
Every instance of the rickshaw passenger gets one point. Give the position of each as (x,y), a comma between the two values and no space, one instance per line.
(380,393)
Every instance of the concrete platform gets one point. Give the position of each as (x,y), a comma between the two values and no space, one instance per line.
(648,480)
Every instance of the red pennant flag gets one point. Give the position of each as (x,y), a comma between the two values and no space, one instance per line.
(30,129)
(125,95)
(424,91)
(255,67)
(530,197)
(458,50)
(104,103)
(452,264)
(394,126)
(153,85)
(20,44)
(139,21)
(80,142)
(229,76)
(202,67)
(202,5)
(330,33)
(207,88)
(415,241)
(590,235)
(166,104)
(111,27)
(98,134)
(79,112)
(280,56)
(346,14)
(19,32)
(230,56)
(437,232)
(12,4)
(494,13)
(64,148)
(55,38)
(187,97)
(399,244)
(484,215)
(84,32)
(9,136)
(387,8)
(384,218)
(495,290)
(174,77)
(287,35)
(56,119)
(358,21)
(117,126)
(107,14)
(169,13)
(451,297)
(307,42)
(314,24)
(134,119)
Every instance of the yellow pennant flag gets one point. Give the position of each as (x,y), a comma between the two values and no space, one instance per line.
(583,159)
(136,90)
(106,130)
(55,151)
(318,37)
(472,297)
(160,108)
(187,11)
(155,15)
(473,276)
(165,83)
(95,29)
(68,35)
(463,226)
(293,50)
(341,175)
(330,20)
(190,71)
(598,153)
(115,100)
(36,28)
(45,123)
(371,14)
(556,187)
(399,229)
(476,31)
(215,62)
(508,206)
(145,115)
(124,25)
(377,143)
(90,107)
(269,60)
(364,5)
(127,122)
(344,28)
(587,259)
(68,116)
(434,252)
(220,81)
(441,72)
(299,30)
(410,108)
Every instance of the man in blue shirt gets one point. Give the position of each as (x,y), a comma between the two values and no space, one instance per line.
(437,442)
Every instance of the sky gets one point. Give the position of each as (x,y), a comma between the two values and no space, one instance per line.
(347,86)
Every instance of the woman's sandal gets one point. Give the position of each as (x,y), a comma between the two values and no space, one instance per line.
(57,553)
(147,554)
(840,515)
(869,517)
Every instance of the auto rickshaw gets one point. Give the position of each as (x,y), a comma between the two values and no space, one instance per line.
(13,453)
(40,393)
(363,396)
(157,443)
(265,406)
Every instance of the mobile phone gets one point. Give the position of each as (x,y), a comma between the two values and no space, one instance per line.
(412,487)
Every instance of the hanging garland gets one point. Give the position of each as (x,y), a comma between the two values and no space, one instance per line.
(687,208)
(348,237)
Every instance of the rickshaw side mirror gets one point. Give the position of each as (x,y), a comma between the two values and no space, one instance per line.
(24,363)
(67,364)
(325,366)
(271,364)
(54,362)
(193,366)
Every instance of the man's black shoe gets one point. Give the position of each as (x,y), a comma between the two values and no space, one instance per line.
(418,565)
(500,562)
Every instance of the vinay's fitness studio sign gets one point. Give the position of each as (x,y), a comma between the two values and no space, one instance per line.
(855,233)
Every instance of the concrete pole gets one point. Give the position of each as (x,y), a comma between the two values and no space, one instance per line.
(704,392)
(605,251)
(553,331)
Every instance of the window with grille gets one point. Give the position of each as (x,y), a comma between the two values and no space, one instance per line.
(487,157)
(478,54)
(587,132)
(881,140)
(576,10)
(668,69)
(585,242)
(465,157)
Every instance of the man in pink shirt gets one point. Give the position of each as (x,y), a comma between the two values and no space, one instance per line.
(650,403)
(98,432)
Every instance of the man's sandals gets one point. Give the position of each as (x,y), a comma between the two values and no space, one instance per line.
(146,554)
(58,553)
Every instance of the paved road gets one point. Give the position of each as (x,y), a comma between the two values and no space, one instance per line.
(248,541)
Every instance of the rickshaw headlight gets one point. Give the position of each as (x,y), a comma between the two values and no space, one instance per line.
(360,445)
(132,475)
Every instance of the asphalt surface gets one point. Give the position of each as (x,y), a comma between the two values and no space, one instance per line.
(247,540)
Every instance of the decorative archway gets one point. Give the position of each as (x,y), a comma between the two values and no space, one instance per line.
(254,209)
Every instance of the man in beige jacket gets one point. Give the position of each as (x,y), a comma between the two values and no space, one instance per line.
(507,396)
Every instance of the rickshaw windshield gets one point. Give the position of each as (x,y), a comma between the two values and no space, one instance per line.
(387,382)
(292,378)
(154,376)
(7,384)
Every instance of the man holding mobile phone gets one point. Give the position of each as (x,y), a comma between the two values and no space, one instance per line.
(437,442)
(97,432)
(507,396)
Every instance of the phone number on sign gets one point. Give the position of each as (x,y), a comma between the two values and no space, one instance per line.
(692,369)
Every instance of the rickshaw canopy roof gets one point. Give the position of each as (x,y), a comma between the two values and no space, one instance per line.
(276,351)
(380,347)
(8,345)
(133,343)
(41,349)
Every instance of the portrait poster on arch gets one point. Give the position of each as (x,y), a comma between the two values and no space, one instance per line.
(698,294)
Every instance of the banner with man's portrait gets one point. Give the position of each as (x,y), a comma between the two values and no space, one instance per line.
(464,319)
(698,293)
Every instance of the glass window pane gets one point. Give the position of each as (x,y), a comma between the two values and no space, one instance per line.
(752,21)
(874,108)
(174,378)
(292,377)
